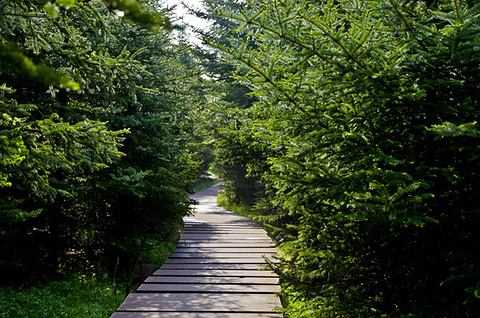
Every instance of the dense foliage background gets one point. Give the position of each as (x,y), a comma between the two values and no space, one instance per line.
(95,162)
(365,136)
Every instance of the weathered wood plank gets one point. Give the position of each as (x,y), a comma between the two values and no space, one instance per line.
(241,280)
(214,266)
(232,243)
(193,315)
(221,227)
(234,229)
(208,288)
(224,219)
(201,302)
(215,255)
(252,232)
(192,249)
(204,225)
(222,236)
(215,273)
(250,260)
(248,241)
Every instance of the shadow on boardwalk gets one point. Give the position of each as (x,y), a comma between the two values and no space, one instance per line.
(217,270)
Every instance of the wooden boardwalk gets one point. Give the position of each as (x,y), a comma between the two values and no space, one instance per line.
(217,270)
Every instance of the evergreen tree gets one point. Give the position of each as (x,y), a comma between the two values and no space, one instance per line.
(367,111)
(225,98)
(78,83)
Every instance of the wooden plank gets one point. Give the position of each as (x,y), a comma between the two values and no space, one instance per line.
(257,249)
(254,242)
(251,260)
(229,232)
(209,288)
(233,245)
(224,231)
(222,236)
(217,219)
(193,315)
(225,243)
(239,254)
(224,223)
(212,280)
(225,226)
(215,273)
(247,225)
(200,302)
(213,266)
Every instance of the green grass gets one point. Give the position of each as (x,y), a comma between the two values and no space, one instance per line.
(161,252)
(75,297)
(246,211)
(240,209)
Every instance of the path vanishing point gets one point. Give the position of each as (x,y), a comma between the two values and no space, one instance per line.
(217,270)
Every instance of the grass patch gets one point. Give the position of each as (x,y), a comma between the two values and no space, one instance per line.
(204,183)
(83,296)
(240,209)
(78,295)
(160,251)
(74,297)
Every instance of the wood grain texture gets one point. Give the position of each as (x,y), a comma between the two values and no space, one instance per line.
(199,302)
(193,315)
(210,288)
(214,273)
(239,280)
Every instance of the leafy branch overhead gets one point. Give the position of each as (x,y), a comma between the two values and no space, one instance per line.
(127,9)
(132,10)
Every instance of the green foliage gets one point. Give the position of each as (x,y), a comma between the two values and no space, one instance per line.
(223,99)
(76,297)
(159,252)
(17,61)
(240,209)
(126,9)
(364,133)
(133,11)
(79,84)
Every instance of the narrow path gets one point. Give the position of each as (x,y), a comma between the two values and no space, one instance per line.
(217,270)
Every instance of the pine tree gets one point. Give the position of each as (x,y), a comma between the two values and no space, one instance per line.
(94,159)
(368,111)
